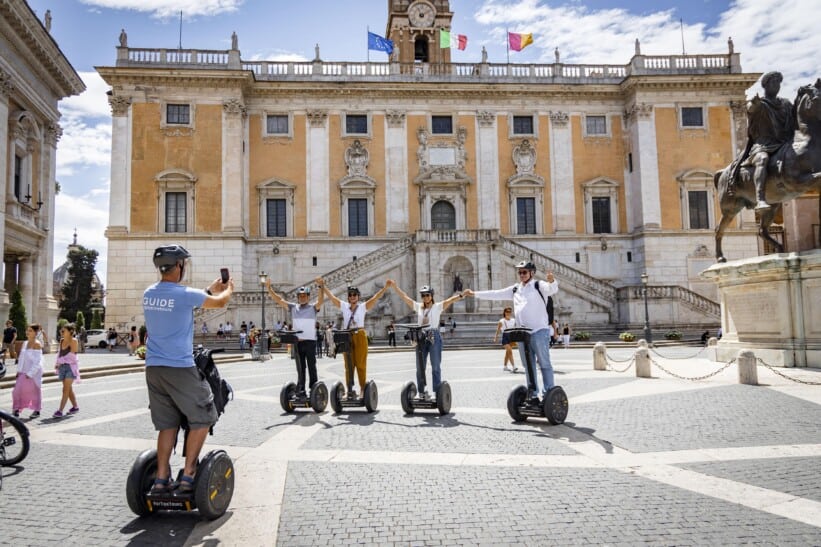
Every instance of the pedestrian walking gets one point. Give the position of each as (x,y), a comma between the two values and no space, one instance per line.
(67,367)
(506,322)
(133,340)
(566,335)
(28,389)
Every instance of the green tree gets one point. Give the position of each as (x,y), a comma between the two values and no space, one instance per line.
(17,314)
(96,320)
(78,290)
(80,321)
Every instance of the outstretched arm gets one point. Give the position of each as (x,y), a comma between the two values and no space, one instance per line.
(405,298)
(448,301)
(277,298)
(321,298)
(334,300)
(375,298)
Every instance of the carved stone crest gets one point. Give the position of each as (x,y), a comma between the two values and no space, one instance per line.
(524,156)
(356,157)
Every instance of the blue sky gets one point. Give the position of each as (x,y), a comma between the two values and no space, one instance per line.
(769,34)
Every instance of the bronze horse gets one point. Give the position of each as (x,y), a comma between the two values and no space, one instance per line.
(793,170)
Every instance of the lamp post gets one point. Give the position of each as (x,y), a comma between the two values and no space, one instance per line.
(263,337)
(648,335)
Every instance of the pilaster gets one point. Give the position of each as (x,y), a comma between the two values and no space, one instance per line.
(233,115)
(318,171)
(6,88)
(561,173)
(487,176)
(118,210)
(396,160)
(644,195)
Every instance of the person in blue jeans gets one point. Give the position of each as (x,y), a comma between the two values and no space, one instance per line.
(530,310)
(427,314)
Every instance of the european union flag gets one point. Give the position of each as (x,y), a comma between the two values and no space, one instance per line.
(379,43)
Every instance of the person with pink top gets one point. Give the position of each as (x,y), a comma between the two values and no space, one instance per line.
(67,368)
(28,391)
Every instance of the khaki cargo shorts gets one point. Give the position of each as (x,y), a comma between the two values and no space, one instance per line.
(175,393)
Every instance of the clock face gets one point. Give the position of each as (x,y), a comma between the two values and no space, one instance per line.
(421,14)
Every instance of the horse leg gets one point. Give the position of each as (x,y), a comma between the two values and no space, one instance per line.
(727,217)
(765,220)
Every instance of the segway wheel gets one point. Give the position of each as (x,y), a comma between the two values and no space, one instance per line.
(285,396)
(443,398)
(337,394)
(514,401)
(319,397)
(139,482)
(371,396)
(408,394)
(214,486)
(555,405)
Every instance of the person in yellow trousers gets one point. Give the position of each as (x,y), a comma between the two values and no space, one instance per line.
(353,318)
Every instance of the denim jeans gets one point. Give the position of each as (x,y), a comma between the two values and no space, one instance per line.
(539,353)
(433,349)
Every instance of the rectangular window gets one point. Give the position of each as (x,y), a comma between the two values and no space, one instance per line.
(596,125)
(175,211)
(526,215)
(692,116)
(178,114)
(356,124)
(441,125)
(522,125)
(277,124)
(601,215)
(699,217)
(275,218)
(18,177)
(357,217)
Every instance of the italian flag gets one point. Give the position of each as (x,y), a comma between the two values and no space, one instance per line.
(446,39)
(518,42)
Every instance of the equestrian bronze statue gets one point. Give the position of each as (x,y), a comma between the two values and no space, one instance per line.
(782,159)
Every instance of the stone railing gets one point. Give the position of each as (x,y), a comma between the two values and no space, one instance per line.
(588,283)
(675,293)
(356,268)
(455,236)
(439,72)
(22,213)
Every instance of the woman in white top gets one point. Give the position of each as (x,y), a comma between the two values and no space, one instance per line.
(506,322)
(27,391)
(428,313)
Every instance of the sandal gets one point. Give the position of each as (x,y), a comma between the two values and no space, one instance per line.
(185,485)
(161,486)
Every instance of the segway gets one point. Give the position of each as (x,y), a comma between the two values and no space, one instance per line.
(214,479)
(289,399)
(523,402)
(409,397)
(340,398)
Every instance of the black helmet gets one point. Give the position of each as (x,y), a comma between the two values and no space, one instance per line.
(354,289)
(303,290)
(426,289)
(167,256)
(526,265)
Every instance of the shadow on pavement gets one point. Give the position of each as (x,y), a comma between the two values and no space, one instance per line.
(170,529)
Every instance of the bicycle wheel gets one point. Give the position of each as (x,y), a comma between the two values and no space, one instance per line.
(14,440)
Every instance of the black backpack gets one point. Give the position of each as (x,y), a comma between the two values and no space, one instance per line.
(220,388)
(548,303)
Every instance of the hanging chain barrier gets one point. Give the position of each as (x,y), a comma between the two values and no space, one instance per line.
(797,380)
(699,352)
(625,369)
(611,358)
(694,378)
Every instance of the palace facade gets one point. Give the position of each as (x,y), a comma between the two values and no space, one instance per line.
(34,77)
(423,170)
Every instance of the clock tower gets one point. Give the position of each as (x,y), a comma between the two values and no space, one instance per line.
(414,26)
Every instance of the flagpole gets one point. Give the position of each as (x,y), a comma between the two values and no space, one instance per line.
(507,44)
(367,44)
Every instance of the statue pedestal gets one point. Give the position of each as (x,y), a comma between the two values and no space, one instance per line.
(770,305)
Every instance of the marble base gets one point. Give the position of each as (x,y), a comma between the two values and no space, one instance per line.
(767,307)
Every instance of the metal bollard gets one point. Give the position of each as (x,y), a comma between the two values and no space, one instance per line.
(642,363)
(747,371)
(600,356)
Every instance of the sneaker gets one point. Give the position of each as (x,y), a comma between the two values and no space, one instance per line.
(16,413)
(352,394)
(74,410)
(301,394)
(35,414)
(505,368)
(425,396)
(57,414)
(515,369)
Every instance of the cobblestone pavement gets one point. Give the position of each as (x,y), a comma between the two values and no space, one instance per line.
(659,461)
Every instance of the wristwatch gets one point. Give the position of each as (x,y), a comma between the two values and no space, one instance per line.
(208,292)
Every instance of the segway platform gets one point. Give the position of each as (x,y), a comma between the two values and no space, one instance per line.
(342,398)
(289,399)
(410,398)
(521,405)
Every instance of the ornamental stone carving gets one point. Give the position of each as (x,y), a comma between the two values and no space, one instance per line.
(559,118)
(234,107)
(524,157)
(396,118)
(53,133)
(461,153)
(317,118)
(638,110)
(6,85)
(356,157)
(421,151)
(119,105)
(486,118)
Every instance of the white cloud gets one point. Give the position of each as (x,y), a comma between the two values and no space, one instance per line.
(170,8)
(276,55)
(86,123)
(88,214)
(769,34)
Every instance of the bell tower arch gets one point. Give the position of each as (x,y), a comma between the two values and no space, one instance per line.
(414,26)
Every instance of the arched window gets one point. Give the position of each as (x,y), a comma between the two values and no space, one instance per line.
(420,49)
(442,216)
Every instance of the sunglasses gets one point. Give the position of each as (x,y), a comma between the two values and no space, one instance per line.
(350,294)
(523,272)
(426,294)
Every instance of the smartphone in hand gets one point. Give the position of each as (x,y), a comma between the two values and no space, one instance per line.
(224,275)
